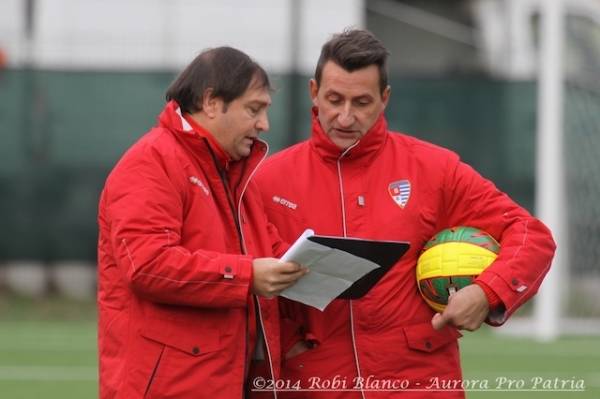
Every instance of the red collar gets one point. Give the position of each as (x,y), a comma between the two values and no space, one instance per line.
(222,156)
(172,118)
(366,147)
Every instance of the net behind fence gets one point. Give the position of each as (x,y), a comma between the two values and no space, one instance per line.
(582,172)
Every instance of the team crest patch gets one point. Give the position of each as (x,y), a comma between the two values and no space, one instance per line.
(400,192)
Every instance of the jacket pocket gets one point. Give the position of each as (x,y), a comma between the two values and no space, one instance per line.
(189,350)
(423,337)
(153,374)
(183,336)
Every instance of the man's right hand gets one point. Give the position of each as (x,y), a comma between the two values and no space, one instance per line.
(271,276)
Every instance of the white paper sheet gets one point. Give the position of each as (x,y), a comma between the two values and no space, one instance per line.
(331,272)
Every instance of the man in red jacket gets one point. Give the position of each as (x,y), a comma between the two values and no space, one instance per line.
(185,250)
(389,343)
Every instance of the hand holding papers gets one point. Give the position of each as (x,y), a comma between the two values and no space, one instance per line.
(339,267)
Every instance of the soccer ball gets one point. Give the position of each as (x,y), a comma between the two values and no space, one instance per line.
(451,260)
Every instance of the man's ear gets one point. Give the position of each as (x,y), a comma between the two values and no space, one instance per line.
(209,103)
(385,96)
(314,90)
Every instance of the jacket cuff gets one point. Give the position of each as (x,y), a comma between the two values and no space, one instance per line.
(511,292)
(237,269)
(492,298)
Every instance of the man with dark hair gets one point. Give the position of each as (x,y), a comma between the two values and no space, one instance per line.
(389,343)
(185,249)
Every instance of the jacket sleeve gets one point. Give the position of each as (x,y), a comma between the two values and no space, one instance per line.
(144,209)
(527,247)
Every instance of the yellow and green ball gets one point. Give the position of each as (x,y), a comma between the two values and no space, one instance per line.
(451,260)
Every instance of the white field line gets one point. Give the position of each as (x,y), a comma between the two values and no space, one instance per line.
(33,346)
(506,351)
(48,373)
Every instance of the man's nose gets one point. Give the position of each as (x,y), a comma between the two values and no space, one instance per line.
(263,123)
(346,117)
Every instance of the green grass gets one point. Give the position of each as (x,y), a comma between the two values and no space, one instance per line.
(48,359)
(498,360)
(48,350)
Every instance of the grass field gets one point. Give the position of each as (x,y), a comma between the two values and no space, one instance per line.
(48,350)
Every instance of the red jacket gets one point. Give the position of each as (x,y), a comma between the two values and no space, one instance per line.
(176,315)
(388,332)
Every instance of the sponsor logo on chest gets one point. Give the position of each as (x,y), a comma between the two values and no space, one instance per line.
(400,192)
(282,201)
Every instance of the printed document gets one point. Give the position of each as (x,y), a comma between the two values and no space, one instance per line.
(332,271)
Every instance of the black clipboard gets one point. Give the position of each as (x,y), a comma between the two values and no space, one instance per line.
(384,253)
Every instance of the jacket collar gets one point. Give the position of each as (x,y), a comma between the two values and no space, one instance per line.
(201,148)
(221,155)
(175,120)
(364,150)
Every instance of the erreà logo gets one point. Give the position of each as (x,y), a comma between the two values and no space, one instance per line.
(282,201)
(199,183)
(400,192)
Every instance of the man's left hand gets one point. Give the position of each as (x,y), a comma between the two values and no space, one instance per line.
(467,309)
